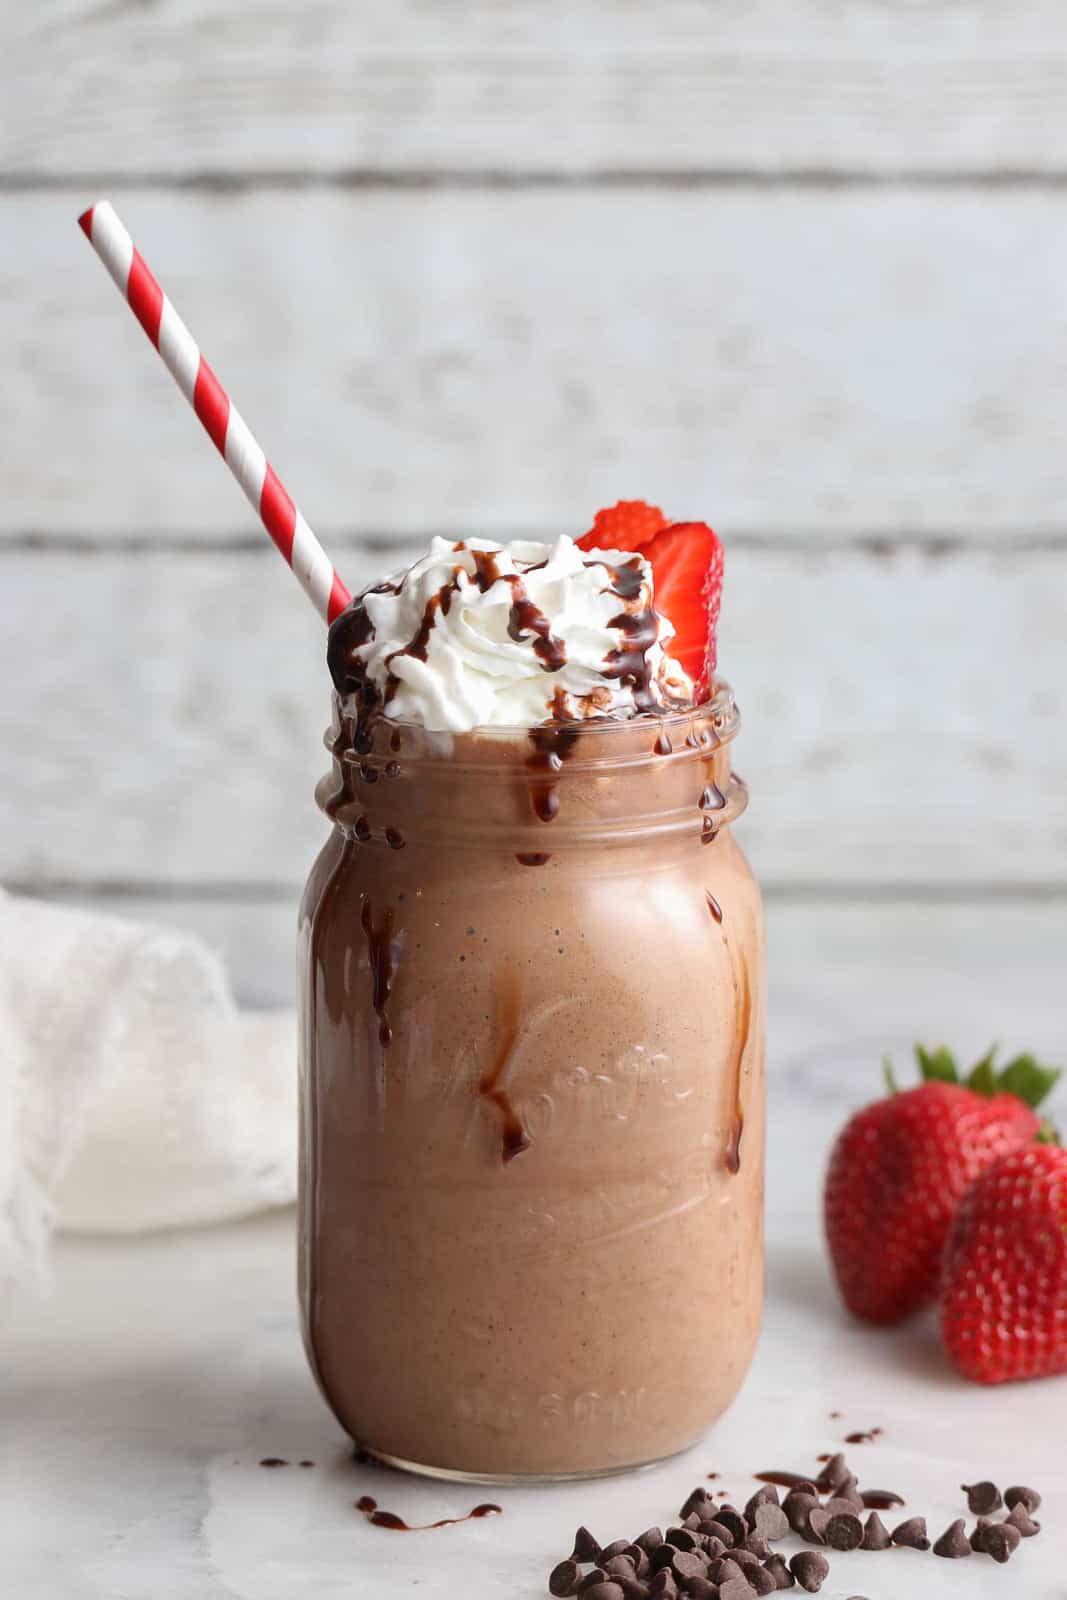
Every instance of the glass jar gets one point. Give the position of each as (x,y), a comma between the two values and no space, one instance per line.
(532,1093)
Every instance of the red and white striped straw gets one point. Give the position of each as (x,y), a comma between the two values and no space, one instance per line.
(225,425)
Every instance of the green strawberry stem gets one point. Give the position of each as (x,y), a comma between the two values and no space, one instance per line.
(1024,1076)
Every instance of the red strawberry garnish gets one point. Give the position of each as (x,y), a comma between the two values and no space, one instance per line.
(687,571)
(626,526)
(1004,1285)
(901,1166)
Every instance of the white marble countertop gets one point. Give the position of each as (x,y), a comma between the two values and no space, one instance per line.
(142,1391)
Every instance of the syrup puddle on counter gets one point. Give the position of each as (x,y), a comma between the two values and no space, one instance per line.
(389,1519)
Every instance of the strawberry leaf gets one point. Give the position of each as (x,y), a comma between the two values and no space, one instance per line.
(1027,1078)
(1047,1134)
(982,1077)
(890,1076)
(937,1065)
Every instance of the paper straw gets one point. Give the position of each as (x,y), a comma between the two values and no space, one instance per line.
(224,424)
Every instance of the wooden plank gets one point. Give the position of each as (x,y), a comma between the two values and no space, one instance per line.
(821,360)
(205,86)
(904,717)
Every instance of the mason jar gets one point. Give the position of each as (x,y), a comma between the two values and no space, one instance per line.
(532,1018)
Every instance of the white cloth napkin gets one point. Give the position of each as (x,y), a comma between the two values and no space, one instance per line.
(133,1094)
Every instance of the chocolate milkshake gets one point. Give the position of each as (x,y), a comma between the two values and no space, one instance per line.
(532,1024)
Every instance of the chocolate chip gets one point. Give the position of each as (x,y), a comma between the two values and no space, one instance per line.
(809,1568)
(766,1494)
(953,1543)
(777,1567)
(745,1560)
(982,1498)
(844,1531)
(664,1586)
(1019,1495)
(638,1558)
(757,1545)
(1001,1539)
(805,1486)
(875,1534)
(702,1589)
(835,1472)
(762,1582)
(689,1564)
(911,1533)
(731,1519)
(564,1578)
(849,1489)
(662,1556)
(725,1571)
(837,1504)
(1020,1518)
(771,1521)
(714,1529)
(818,1519)
(693,1520)
(736,1589)
(650,1540)
(683,1539)
(619,1566)
(632,1588)
(585,1547)
(598,1575)
(796,1506)
(608,1590)
(699,1497)
(615,1548)
(978,1533)
(713,1547)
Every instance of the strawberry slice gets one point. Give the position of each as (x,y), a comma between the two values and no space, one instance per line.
(626,526)
(687,568)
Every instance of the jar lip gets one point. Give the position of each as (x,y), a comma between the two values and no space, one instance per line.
(720,707)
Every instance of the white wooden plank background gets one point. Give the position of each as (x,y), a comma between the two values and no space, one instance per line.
(797,266)
(833,360)
(182,87)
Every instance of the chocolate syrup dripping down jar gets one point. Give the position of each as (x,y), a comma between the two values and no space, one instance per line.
(532,1015)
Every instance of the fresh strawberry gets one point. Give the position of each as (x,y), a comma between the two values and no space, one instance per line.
(687,570)
(1004,1282)
(901,1166)
(626,526)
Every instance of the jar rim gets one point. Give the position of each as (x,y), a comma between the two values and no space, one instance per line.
(598,781)
(720,709)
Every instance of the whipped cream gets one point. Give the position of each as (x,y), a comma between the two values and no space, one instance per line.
(479,634)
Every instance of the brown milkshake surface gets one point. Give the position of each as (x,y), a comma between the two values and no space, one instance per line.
(531,1080)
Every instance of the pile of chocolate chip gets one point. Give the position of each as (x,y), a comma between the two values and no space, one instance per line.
(719,1553)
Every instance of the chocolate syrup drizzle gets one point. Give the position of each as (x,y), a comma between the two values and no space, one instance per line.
(514,1138)
(742,1028)
(382,952)
(713,906)
(389,1519)
(629,664)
